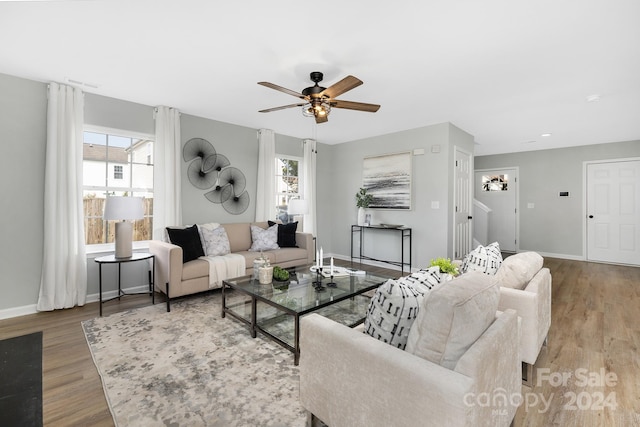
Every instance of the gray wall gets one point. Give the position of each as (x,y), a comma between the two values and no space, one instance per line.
(340,179)
(23,109)
(240,145)
(23,118)
(555,225)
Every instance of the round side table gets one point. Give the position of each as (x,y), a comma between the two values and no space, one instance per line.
(137,256)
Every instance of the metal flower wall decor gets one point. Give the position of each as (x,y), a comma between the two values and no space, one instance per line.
(211,170)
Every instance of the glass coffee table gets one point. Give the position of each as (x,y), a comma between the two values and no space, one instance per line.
(275,309)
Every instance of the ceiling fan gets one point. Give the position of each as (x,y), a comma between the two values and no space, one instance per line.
(319,100)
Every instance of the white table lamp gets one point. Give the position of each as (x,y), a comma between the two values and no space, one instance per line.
(298,207)
(123,209)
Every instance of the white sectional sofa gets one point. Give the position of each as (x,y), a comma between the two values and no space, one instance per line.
(349,378)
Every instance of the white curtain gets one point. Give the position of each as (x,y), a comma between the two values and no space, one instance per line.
(265,194)
(63,283)
(309,183)
(167,196)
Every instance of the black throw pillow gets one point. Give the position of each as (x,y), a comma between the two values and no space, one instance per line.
(286,234)
(189,240)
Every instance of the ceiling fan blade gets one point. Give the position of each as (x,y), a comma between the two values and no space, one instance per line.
(350,105)
(322,119)
(283,89)
(268,110)
(341,87)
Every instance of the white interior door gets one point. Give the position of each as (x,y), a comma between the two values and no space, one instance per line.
(498,189)
(613,212)
(463,197)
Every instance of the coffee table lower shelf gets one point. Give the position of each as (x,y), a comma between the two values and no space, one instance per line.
(278,313)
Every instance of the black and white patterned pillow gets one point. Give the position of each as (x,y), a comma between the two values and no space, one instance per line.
(484,259)
(264,240)
(391,312)
(426,279)
(395,305)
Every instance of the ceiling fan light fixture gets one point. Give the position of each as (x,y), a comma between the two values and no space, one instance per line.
(321,109)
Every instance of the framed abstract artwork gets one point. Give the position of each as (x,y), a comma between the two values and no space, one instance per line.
(388,179)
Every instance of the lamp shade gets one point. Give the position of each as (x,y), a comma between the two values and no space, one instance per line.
(298,207)
(123,208)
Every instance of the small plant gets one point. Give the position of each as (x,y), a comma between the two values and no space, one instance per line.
(363,199)
(280,274)
(446,266)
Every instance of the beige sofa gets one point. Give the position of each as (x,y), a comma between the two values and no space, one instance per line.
(348,379)
(175,278)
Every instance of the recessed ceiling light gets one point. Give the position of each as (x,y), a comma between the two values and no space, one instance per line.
(593,98)
(545,135)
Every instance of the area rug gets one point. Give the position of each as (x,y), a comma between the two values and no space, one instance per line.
(191,367)
(21,380)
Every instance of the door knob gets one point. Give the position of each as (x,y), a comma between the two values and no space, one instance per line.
(590,216)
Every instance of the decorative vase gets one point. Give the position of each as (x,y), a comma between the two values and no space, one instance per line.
(257,264)
(361,216)
(265,275)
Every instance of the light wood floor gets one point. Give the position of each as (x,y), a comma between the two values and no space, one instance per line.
(595,326)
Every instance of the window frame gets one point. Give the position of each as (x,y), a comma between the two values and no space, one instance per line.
(96,248)
(278,175)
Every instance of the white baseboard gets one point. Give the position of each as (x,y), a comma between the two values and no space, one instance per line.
(370,262)
(561,256)
(8,313)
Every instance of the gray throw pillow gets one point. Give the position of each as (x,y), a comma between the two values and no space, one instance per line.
(264,240)
(215,242)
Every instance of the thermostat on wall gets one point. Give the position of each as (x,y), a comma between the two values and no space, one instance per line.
(563,194)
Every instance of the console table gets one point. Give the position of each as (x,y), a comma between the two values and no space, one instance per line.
(402,232)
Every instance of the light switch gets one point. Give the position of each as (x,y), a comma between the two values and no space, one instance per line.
(435,204)
(530,205)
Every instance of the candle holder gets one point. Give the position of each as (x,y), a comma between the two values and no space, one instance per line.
(317,284)
(331,283)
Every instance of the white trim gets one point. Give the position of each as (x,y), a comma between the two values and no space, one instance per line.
(118,132)
(100,249)
(8,313)
(370,262)
(24,310)
(560,256)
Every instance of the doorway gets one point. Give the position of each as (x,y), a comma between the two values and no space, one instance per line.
(498,190)
(613,211)
(463,200)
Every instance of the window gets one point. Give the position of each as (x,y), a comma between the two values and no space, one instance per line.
(117,172)
(495,182)
(288,184)
(116,163)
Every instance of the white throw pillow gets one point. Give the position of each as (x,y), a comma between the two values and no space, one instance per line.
(264,240)
(485,259)
(517,270)
(215,241)
(452,317)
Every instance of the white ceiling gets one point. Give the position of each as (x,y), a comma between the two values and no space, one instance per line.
(505,71)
